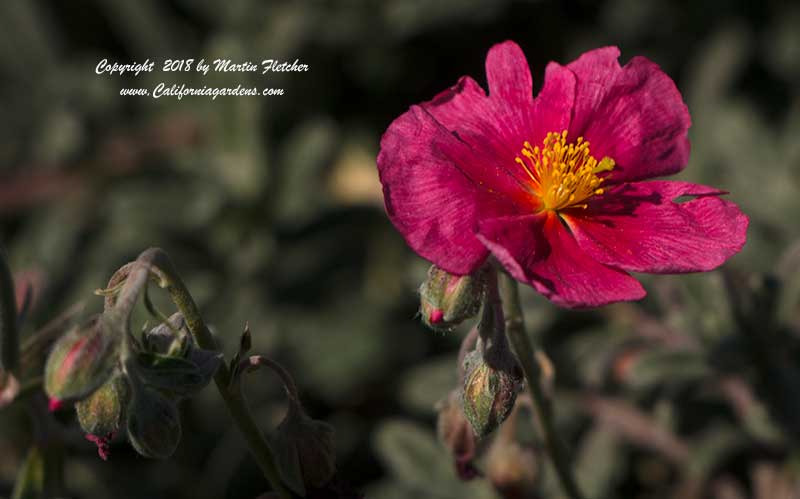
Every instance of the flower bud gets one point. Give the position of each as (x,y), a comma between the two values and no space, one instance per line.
(455,432)
(446,299)
(82,359)
(154,426)
(306,446)
(103,412)
(489,391)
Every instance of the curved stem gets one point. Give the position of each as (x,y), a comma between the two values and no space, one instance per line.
(49,440)
(288,383)
(515,328)
(234,400)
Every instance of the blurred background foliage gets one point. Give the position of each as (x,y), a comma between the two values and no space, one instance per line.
(272,210)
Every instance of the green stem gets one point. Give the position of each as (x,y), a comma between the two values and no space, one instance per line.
(515,328)
(49,440)
(237,405)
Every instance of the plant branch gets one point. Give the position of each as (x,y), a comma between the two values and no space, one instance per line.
(162,266)
(515,328)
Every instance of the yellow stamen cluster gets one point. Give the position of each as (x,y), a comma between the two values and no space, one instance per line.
(563,175)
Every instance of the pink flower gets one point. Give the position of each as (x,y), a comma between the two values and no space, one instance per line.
(551,186)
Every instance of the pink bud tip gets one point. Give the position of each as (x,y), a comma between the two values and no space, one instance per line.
(55,405)
(436,316)
(103,444)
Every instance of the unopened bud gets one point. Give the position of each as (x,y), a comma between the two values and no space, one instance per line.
(154,426)
(305,445)
(446,300)
(489,392)
(455,432)
(83,359)
(103,412)
(512,469)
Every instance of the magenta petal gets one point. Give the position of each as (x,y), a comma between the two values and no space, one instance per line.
(538,250)
(496,128)
(634,114)
(639,227)
(552,108)
(433,199)
(596,71)
(508,74)
(463,108)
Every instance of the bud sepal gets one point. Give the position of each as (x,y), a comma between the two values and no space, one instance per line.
(446,299)
(83,359)
(103,412)
(154,426)
(304,448)
(489,392)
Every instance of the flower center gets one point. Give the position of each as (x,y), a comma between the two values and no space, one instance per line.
(563,175)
